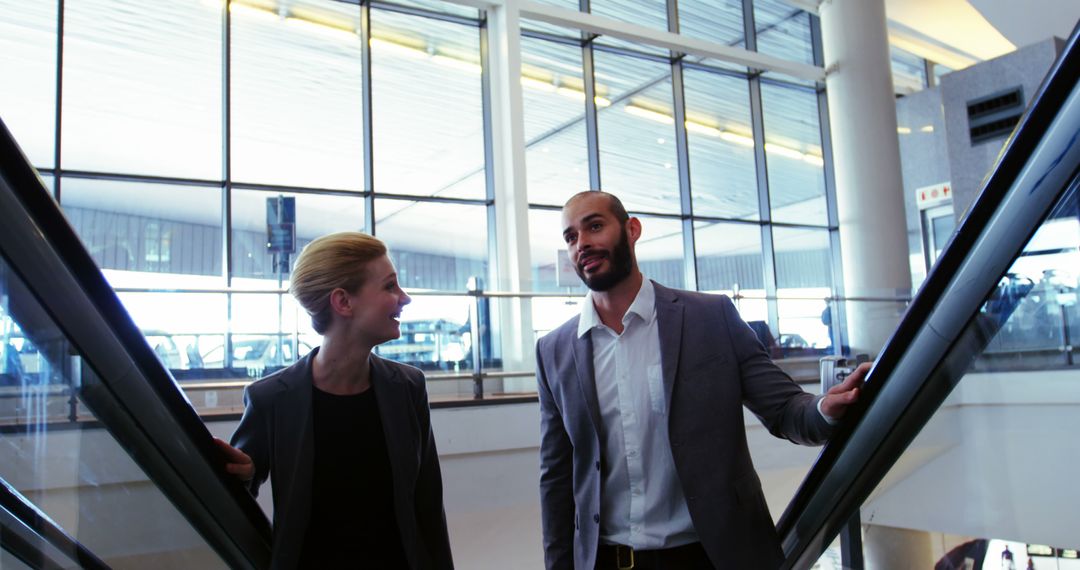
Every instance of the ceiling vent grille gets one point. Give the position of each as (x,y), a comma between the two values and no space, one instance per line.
(994,116)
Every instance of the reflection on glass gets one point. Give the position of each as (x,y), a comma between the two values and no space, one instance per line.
(551,270)
(440,6)
(296,95)
(148,235)
(554,115)
(720,22)
(428,126)
(793,154)
(660,252)
(182,328)
(436,334)
(650,13)
(428,244)
(28,53)
(996,461)
(729,258)
(804,282)
(254,265)
(1040,289)
(638,162)
(142,88)
(783,31)
(82,478)
(721,144)
(908,71)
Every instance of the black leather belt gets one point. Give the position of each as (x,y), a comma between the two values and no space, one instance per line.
(620,557)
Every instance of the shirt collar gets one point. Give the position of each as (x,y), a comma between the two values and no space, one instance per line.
(644,306)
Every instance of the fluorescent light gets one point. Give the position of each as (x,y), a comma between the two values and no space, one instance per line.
(737,138)
(927,129)
(903,130)
(253,12)
(571,93)
(395,48)
(813,159)
(538,84)
(650,114)
(575,94)
(783,151)
(323,30)
(459,64)
(695,127)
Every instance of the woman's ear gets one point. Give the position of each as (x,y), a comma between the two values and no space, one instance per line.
(341,302)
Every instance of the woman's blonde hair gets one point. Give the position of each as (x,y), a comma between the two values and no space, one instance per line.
(327,263)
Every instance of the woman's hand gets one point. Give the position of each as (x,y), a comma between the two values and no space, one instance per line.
(237,463)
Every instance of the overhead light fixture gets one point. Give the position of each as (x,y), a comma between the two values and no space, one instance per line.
(324,30)
(458,64)
(245,10)
(388,46)
(537,84)
(701,129)
(650,114)
(903,130)
(580,96)
(736,138)
(927,129)
(784,151)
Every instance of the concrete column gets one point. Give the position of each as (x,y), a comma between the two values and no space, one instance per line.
(511,200)
(866,156)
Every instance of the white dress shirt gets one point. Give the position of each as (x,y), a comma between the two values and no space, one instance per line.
(641,500)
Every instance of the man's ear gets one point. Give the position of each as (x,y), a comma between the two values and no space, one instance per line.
(633,230)
(341,302)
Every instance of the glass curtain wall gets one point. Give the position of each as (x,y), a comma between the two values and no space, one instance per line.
(708,190)
(196,147)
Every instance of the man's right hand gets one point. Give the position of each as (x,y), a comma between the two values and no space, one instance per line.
(237,463)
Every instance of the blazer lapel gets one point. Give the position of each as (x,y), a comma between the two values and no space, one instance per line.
(295,433)
(669,317)
(392,400)
(583,361)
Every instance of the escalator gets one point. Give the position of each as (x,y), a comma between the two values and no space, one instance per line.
(975,292)
(103,462)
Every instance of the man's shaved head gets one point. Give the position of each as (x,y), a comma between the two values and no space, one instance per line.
(614,204)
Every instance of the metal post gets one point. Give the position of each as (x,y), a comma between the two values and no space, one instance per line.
(851,553)
(476,288)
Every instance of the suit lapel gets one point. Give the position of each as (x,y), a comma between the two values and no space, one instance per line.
(669,318)
(583,361)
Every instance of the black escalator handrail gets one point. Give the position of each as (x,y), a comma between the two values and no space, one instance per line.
(45,530)
(173,445)
(912,376)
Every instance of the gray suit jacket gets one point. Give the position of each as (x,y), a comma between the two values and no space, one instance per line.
(277,432)
(712,364)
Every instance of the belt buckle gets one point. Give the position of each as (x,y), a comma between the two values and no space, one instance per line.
(624,557)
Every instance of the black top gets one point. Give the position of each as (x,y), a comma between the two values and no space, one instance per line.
(352,502)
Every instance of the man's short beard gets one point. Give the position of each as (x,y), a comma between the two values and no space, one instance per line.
(622,265)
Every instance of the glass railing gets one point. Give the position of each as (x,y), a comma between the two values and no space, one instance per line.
(138,483)
(946,439)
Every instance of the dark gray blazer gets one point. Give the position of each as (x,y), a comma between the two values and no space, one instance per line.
(712,364)
(277,432)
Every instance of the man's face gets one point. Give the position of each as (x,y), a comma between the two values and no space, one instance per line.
(598,244)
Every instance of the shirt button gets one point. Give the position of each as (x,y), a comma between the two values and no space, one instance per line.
(596,518)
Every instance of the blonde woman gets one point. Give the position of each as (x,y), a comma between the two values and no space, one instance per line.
(345,435)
